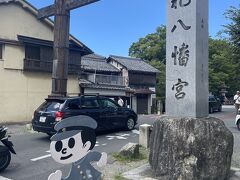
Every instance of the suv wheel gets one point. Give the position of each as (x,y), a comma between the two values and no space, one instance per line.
(238,124)
(220,108)
(211,110)
(130,124)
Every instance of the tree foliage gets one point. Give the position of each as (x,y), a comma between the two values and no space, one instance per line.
(221,65)
(161,78)
(233,31)
(233,28)
(151,47)
(224,55)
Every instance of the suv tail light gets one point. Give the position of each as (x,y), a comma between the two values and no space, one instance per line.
(58,116)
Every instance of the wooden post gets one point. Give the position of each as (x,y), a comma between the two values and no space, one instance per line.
(61,49)
(61,11)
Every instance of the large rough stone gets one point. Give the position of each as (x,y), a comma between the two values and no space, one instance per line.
(189,148)
(130,150)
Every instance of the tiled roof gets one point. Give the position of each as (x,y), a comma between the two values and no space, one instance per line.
(100,86)
(96,62)
(134,64)
(95,56)
(144,91)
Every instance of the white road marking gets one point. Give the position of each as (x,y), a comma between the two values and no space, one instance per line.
(48,151)
(104,144)
(135,131)
(228,106)
(97,144)
(3,178)
(120,137)
(123,135)
(41,157)
(110,137)
(115,137)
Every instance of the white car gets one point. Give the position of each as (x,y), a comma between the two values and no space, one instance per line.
(237,120)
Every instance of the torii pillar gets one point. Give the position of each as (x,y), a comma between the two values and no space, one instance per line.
(61,11)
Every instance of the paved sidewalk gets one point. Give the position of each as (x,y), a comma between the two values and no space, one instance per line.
(18,129)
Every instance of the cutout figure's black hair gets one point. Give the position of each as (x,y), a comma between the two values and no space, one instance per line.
(89,135)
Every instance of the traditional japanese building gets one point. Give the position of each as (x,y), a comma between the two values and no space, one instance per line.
(26,56)
(100,77)
(141,77)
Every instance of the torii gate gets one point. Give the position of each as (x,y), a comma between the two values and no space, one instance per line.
(61,10)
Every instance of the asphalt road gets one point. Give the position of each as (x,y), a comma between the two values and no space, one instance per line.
(33,161)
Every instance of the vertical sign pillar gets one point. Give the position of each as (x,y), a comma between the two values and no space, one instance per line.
(61,49)
(187,58)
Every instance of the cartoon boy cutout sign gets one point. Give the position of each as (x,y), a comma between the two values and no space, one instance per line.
(71,144)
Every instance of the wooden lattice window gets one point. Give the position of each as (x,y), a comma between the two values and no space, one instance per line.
(32,52)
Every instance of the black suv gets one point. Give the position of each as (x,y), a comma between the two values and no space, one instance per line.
(214,104)
(108,114)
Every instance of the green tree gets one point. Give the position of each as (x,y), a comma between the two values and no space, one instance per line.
(232,30)
(221,65)
(161,78)
(151,47)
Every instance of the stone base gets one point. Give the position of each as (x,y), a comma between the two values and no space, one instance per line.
(190,148)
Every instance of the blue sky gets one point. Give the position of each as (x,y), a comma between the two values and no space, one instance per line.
(111,26)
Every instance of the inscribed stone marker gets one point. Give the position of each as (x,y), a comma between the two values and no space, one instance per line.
(187,58)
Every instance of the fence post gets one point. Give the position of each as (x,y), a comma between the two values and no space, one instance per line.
(144,134)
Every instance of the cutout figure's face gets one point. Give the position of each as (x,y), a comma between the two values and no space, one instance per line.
(69,150)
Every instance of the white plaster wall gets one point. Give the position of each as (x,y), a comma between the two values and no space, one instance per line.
(134,103)
(13,56)
(17,21)
(124,71)
(22,92)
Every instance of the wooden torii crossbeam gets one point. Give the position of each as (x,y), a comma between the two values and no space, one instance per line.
(61,10)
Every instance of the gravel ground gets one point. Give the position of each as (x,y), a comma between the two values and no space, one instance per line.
(115,168)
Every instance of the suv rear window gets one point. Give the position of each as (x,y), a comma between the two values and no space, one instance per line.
(50,106)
